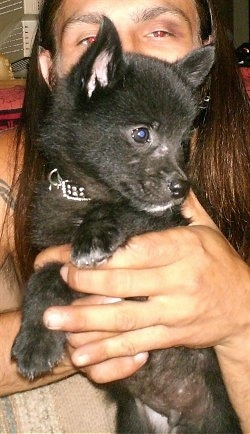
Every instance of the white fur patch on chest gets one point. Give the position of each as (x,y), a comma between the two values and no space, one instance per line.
(154,420)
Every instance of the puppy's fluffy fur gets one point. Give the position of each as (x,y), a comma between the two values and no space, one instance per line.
(116,129)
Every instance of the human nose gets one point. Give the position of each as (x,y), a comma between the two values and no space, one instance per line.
(130,43)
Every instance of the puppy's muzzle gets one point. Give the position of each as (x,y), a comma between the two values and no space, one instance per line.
(179,188)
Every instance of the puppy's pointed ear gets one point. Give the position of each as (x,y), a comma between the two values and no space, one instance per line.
(102,65)
(196,65)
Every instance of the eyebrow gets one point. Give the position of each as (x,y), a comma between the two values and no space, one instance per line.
(139,16)
(91,18)
(151,13)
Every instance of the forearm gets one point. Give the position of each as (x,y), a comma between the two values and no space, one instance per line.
(235,365)
(10,380)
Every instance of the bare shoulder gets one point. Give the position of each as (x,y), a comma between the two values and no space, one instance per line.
(8,281)
(7,154)
(7,164)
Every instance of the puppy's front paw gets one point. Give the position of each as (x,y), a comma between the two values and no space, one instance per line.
(91,247)
(37,349)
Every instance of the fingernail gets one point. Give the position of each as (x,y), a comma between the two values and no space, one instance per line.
(64,272)
(53,320)
(82,360)
(110,300)
(141,358)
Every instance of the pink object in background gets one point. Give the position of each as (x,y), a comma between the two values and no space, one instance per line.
(11,100)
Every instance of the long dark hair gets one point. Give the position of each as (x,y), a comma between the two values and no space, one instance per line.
(219,164)
(220,160)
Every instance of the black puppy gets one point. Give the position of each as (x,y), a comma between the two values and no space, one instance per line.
(114,140)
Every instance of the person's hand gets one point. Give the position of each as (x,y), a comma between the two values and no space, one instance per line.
(197,289)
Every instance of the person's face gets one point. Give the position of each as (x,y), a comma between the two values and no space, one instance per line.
(167,29)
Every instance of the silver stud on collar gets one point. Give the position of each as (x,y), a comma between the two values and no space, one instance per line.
(69,191)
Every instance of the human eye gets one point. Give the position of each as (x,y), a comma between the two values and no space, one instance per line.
(87,41)
(159,34)
(170,27)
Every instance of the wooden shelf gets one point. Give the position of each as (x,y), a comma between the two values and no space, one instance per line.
(11,83)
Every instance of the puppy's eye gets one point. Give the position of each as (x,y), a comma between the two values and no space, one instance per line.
(141,135)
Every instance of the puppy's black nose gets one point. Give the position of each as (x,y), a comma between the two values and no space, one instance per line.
(179,188)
